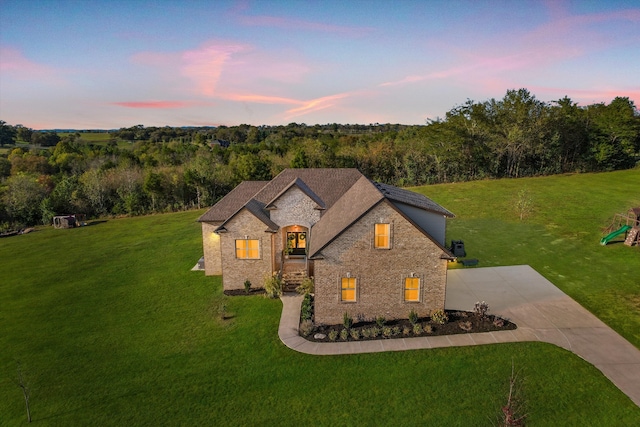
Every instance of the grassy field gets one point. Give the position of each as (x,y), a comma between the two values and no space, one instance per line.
(111,327)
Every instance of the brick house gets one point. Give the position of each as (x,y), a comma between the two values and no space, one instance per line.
(373,249)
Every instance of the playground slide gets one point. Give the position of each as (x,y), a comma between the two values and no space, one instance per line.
(618,232)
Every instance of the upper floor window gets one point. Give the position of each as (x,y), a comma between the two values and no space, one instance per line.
(382,236)
(248,249)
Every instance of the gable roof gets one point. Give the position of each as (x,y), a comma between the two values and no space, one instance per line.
(257,209)
(363,196)
(358,200)
(410,198)
(304,188)
(232,202)
(327,184)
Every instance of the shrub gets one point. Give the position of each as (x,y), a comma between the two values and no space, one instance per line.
(395,331)
(273,286)
(465,326)
(366,332)
(355,334)
(380,321)
(333,334)
(247,286)
(306,287)
(306,328)
(417,329)
(413,317)
(428,329)
(406,330)
(386,331)
(344,334)
(480,309)
(347,321)
(306,311)
(375,331)
(498,322)
(439,317)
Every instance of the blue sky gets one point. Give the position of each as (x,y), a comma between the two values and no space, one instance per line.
(110,64)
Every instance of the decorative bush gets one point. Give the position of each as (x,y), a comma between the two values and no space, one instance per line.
(375,332)
(406,330)
(380,321)
(498,322)
(395,331)
(465,326)
(306,328)
(480,309)
(347,321)
(366,332)
(273,286)
(247,286)
(417,329)
(306,287)
(386,331)
(413,317)
(306,311)
(355,334)
(333,334)
(344,334)
(428,329)
(439,317)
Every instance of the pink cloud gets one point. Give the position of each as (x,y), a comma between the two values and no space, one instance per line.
(13,62)
(261,99)
(205,65)
(316,104)
(156,104)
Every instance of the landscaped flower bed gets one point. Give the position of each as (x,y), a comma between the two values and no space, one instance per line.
(440,323)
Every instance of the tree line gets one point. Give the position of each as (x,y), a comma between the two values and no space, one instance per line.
(139,170)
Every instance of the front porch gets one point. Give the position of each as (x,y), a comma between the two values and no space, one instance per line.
(294,270)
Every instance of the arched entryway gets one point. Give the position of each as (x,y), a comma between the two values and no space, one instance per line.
(295,265)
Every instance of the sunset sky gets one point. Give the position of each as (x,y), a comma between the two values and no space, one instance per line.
(108,64)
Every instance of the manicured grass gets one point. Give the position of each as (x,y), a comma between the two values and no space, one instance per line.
(560,239)
(112,328)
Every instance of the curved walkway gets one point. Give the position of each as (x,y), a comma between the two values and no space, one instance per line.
(541,311)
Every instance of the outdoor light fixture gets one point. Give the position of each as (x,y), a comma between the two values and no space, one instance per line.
(348,275)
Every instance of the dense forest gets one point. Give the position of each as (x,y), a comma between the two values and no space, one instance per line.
(138,170)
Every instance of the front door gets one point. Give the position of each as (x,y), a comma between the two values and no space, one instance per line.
(297,242)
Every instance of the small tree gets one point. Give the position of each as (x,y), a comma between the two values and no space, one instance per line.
(524,204)
(26,392)
(247,286)
(513,412)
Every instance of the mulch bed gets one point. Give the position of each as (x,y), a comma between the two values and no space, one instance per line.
(459,322)
(242,292)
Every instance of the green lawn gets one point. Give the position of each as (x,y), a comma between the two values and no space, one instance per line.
(112,328)
(560,239)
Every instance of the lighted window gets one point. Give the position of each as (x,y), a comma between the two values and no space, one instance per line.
(412,289)
(348,289)
(382,236)
(248,249)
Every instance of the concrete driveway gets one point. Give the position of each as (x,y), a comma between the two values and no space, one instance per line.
(541,311)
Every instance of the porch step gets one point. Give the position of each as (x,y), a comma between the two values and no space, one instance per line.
(292,279)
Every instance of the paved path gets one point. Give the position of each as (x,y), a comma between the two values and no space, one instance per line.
(541,311)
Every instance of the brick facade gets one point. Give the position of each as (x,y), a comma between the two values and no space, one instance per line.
(211,249)
(236,271)
(380,273)
(293,208)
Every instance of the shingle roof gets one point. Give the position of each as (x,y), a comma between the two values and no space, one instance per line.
(357,201)
(327,183)
(410,198)
(233,201)
(304,188)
